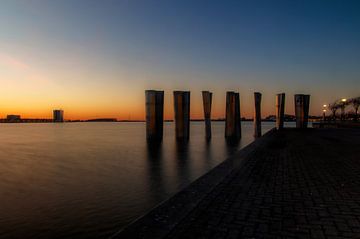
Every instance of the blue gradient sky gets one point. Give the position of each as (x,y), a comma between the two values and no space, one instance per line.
(96,58)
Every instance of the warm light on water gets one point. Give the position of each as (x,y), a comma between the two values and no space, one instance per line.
(87,180)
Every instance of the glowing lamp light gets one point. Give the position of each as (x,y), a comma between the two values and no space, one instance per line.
(324,105)
(343,100)
(324,110)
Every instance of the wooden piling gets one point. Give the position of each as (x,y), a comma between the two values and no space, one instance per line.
(182,114)
(299,114)
(233,120)
(306,105)
(154,106)
(280,110)
(302,103)
(257,115)
(207,101)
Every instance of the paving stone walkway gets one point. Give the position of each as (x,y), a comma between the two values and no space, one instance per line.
(293,184)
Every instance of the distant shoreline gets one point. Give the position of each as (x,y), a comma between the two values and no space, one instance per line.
(120,121)
(269,118)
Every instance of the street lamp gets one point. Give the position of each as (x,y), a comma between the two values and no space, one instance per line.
(324,111)
(343,101)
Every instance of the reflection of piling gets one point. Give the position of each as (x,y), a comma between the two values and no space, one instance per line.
(257,114)
(182,114)
(233,121)
(154,114)
(302,103)
(280,110)
(207,100)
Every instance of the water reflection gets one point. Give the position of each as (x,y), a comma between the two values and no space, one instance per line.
(232,146)
(155,171)
(208,154)
(183,161)
(105,172)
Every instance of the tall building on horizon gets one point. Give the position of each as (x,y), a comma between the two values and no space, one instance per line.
(58,116)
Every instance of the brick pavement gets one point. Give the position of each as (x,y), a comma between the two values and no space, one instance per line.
(293,184)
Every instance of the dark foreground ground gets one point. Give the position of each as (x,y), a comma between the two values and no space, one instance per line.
(291,184)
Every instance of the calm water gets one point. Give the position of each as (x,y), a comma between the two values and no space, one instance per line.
(87,180)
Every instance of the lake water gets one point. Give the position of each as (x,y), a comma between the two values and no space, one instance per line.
(88,180)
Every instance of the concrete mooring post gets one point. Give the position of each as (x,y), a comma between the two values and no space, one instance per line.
(182,114)
(302,103)
(207,101)
(280,110)
(233,120)
(257,115)
(299,106)
(154,107)
(306,110)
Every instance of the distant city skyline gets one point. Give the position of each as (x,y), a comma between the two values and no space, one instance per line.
(95,59)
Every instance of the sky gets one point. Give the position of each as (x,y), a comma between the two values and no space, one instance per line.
(96,58)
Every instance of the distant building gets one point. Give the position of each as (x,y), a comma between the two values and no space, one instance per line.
(58,116)
(13,118)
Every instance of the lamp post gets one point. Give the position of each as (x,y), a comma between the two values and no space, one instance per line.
(324,112)
(343,104)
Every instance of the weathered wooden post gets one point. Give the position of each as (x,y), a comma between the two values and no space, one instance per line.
(233,120)
(207,100)
(182,114)
(257,115)
(302,103)
(154,107)
(280,110)
(306,105)
(299,113)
